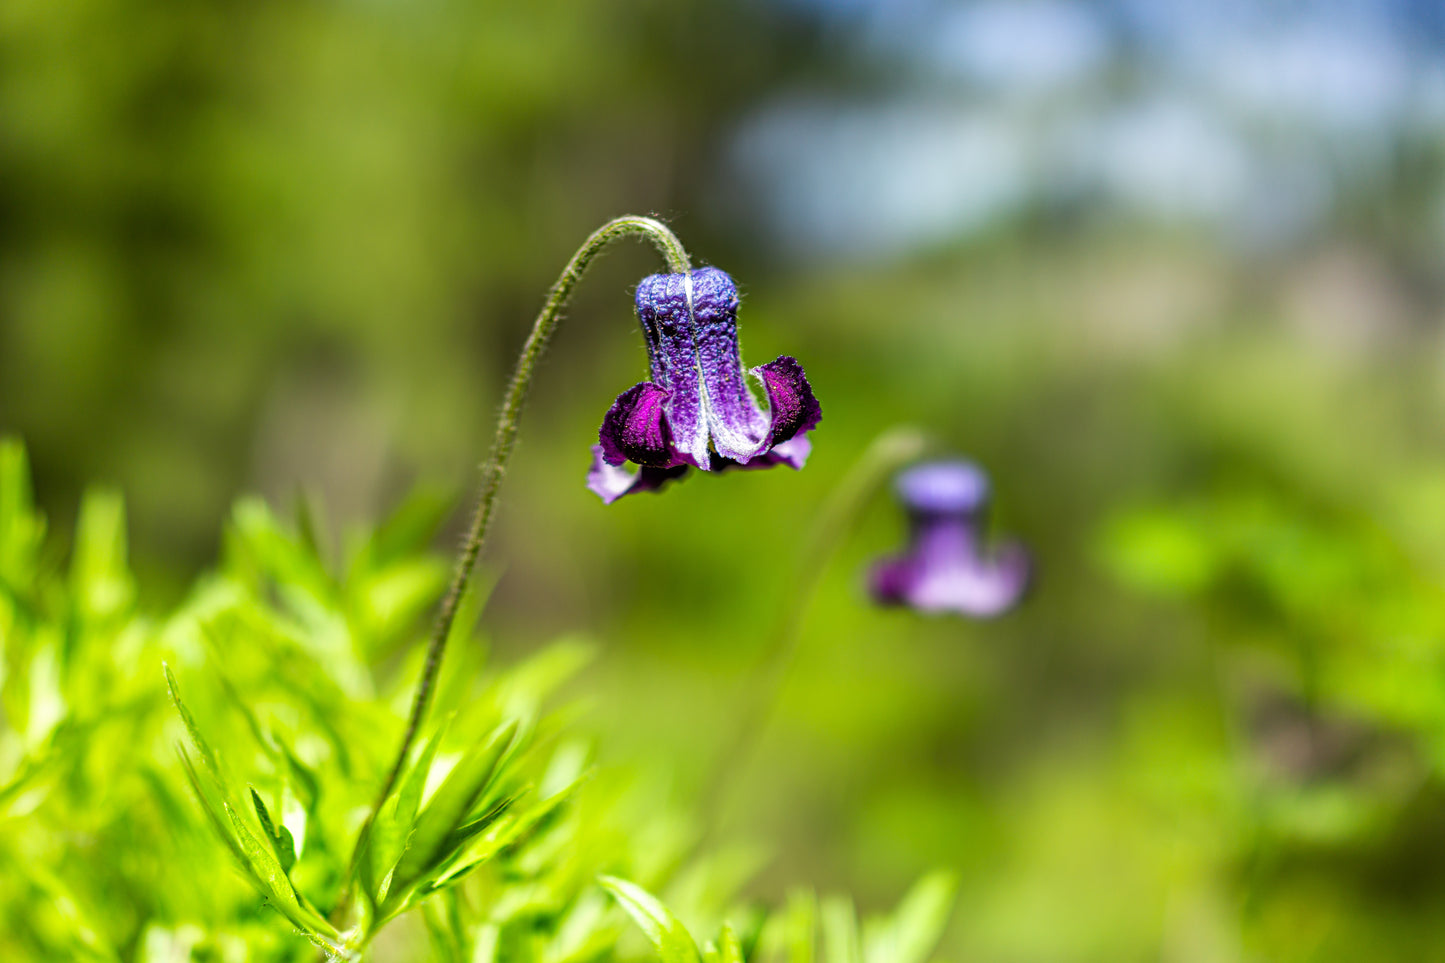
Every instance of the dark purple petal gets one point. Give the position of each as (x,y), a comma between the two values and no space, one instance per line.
(792,406)
(738,426)
(635,429)
(890,580)
(664,308)
(611,482)
(944,487)
(697,410)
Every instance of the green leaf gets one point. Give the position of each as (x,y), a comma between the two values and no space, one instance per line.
(278,555)
(22,529)
(393,597)
(393,826)
(913,931)
(282,843)
(211,807)
(309,528)
(260,861)
(669,937)
(271,879)
(410,528)
(729,948)
(800,925)
(840,931)
(302,779)
(208,756)
(449,807)
(99,574)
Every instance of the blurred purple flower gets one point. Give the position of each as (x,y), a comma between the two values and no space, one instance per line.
(945,568)
(697,411)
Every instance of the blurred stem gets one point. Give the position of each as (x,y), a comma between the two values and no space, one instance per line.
(888,452)
(496,466)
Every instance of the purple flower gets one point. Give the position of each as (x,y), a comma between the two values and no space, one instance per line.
(697,411)
(945,568)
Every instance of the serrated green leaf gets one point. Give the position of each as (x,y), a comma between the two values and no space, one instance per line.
(279,837)
(448,808)
(668,936)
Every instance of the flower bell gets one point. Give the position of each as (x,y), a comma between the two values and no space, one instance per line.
(697,411)
(945,568)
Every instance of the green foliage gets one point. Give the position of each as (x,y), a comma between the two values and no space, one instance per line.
(233,814)
(908,935)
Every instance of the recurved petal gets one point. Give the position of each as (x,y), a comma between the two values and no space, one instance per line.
(793,453)
(610,482)
(636,429)
(976,587)
(793,408)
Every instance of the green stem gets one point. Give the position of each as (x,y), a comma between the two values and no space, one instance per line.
(496,465)
(887,453)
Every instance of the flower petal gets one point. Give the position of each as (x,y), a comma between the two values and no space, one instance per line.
(635,429)
(610,482)
(944,571)
(944,487)
(792,406)
(793,453)
(990,588)
(664,308)
(738,426)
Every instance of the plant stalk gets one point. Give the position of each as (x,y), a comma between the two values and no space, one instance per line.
(495,468)
(888,452)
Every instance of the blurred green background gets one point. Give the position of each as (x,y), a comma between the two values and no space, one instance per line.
(1169,271)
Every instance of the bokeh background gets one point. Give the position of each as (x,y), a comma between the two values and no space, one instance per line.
(1171,271)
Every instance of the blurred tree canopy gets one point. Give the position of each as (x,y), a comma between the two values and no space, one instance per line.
(237,237)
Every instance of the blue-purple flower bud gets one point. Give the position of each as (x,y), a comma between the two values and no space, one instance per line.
(697,410)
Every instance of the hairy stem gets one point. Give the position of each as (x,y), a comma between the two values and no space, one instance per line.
(887,453)
(496,465)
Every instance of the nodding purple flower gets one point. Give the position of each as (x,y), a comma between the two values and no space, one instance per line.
(945,568)
(697,411)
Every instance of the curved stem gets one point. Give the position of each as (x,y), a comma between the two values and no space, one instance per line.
(496,465)
(888,452)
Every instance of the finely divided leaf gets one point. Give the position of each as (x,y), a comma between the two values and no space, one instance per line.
(670,938)
(282,843)
(392,829)
(208,756)
(449,807)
